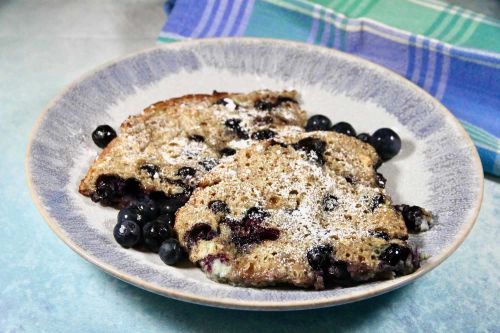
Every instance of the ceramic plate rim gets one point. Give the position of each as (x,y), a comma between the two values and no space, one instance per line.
(379,289)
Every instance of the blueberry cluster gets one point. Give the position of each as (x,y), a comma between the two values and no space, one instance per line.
(385,141)
(149,224)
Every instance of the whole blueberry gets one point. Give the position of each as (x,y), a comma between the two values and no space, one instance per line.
(170,206)
(319,256)
(166,218)
(186,171)
(148,208)
(155,233)
(127,233)
(365,137)
(386,142)
(131,214)
(227,151)
(103,135)
(344,128)
(393,254)
(318,123)
(170,251)
(109,188)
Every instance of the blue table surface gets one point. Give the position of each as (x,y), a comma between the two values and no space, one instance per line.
(46,287)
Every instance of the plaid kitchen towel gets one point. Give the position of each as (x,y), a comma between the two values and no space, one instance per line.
(448,51)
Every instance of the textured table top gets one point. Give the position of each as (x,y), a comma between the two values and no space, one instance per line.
(46,287)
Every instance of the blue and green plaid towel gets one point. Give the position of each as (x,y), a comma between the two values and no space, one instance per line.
(448,51)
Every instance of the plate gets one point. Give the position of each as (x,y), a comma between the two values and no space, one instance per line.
(438,167)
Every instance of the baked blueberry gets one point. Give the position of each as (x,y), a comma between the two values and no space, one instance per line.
(263,134)
(284,99)
(186,171)
(386,142)
(365,137)
(170,251)
(150,169)
(147,208)
(318,123)
(263,120)
(155,233)
(313,147)
(227,151)
(108,189)
(221,101)
(103,135)
(200,231)
(131,214)
(208,164)
(218,206)
(233,124)
(376,201)
(380,234)
(344,128)
(196,138)
(127,233)
(256,213)
(337,274)
(319,256)
(263,105)
(330,202)
(380,180)
(416,218)
(394,254)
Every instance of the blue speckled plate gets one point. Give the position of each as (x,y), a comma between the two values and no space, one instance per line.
(438,167)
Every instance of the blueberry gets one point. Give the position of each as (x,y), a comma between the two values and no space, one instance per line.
(150,169)
(263,120)
(170,251)
(314,148)
(386,142)
(319,256)
(263,105)
(186,171)
(393,254)
(148,208)
(221,102)
(218,206)
(376,201)
(337,273)
(200,231)
(208,164)
(127,233)
(109,189)
(227,151)
(233,124)
(330,202)
(380,234)
(380,180)
(103,135)
(196,138)
(256,213)
(415,218)
(365,137)
(277,143)
(318,123)
(131,214)
(155,233)
(166,218)
(344,128)
(170,206)
(349,179)
(263,134)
